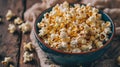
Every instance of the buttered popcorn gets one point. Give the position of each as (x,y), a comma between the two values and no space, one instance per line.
(18,21)
(6,60)
(75,29)
(27,57)
(11,28)
(28,46)
(25,27)
(9,15)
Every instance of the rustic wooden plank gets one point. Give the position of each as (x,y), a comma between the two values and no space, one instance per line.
(26,38)
(9,43)
(35,62)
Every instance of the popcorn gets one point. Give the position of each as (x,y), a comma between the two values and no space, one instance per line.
(74,28)
(42,31)
(103,36)
(108,24)
(28,46)
(9,15)
(74,43)
(6,60)
(11,65)
(99,44)
(27,57)
(18,21)
(53,36)
(11,28)
(84,47)
(54,65)
(62,45)
(63,34)
(76,50)
(118,60)
(0,19)
(25,27)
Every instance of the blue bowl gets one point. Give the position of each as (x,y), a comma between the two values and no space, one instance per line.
(65,58)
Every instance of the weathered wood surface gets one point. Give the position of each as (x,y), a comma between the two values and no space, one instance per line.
(25,38)
(12,44)
(9,43)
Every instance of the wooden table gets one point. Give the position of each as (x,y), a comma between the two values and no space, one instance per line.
(12,44)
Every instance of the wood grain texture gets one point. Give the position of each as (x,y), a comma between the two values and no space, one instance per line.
(25,38)
(9,43)
(35,62)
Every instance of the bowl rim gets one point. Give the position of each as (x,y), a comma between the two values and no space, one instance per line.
(81,53)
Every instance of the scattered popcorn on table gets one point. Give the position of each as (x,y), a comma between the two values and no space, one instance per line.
(9,15)
(25,27)
(11,28)
(27,57)
(28,46)
(0,19)
(11,65)
(18,21)
(74,28)
(118,60)
(6,60)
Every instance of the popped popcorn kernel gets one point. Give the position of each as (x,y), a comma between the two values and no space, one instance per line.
(11,28)
(0,19)
(25,27)
(11,65)
(28,46)
(74,28)
(9,15)
(118,60)
(27,57)
(18,21)
(6,60)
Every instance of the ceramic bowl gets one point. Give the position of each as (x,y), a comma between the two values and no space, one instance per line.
(65,58)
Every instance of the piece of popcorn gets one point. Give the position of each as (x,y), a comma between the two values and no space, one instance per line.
(11,65)
(27,57)
(6,60)
(52,36)
(11,28)
(18,21)
(62,45)
(0,19)
(74,43)
(84,47)
(9,15)
(103,36)
(108,24)
(54,65)
(99,44)
(95,10)
(83,41)
(76,50)
(89,4)
(54,44)
(40,25)
(63,34)
(42,31)
(28,46)
(107,30)
(25,27)
(118,60)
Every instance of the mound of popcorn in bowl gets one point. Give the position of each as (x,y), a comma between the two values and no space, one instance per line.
(74,29)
